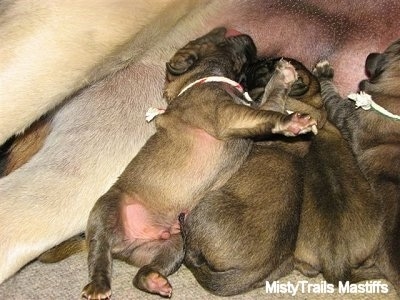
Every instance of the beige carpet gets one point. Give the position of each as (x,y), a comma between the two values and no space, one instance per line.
(64,280)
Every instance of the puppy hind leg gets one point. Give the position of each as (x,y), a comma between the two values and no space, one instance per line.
(152,278)
(306,269)
(100,269)
(285,268)
(101,236)
(337,108)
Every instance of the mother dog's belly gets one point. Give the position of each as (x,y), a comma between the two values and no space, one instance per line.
(344,32)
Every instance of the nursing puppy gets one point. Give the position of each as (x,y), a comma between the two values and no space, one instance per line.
(201,140)
(375,139)
(244,233)
(340,218)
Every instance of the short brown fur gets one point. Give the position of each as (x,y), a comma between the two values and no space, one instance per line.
(375,141)
(201,140)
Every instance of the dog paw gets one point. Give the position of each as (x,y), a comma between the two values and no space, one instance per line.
(287,72)
(295,124)
(306,269)
(323,71)
(154,283)
(93,291)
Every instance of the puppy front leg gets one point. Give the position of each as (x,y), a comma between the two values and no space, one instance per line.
(277,88)
(320,115)
(238,121)
(338,109)
(152,278)
(101,235)
(100,269)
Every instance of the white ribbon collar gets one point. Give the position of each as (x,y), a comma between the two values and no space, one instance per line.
(364,100)
(231,82)
(153,112)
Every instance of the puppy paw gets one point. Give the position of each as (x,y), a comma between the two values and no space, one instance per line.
(323,71)
(306,269)
(95,291)
(153,282)
(286,72)
(295,124)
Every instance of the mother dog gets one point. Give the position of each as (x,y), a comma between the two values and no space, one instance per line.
(52,49)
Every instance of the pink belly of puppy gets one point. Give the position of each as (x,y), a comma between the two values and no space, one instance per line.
(138,224)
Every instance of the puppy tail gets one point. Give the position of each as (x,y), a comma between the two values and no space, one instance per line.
(67,248)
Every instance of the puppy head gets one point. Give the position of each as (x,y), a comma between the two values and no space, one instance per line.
(305,92)
(306,88)
(218,53)
(383,71)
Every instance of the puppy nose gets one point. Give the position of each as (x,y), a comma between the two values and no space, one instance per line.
(232,32)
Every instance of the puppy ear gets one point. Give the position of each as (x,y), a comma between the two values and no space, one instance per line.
(186,57)
(217,33)
(374,64)
(298,88)
(181,63)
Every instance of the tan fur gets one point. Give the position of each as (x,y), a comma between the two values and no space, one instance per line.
(73,172)
(38,39)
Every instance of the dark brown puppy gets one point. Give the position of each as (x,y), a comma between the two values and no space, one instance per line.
(375,140)
(201,140)
(245,233)
(340,219)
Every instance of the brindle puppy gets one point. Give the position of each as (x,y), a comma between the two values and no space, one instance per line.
(245,233)
(201,140)
(340,219)
(375,140)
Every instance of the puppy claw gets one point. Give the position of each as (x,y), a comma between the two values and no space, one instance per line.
(94,292)
(296,124)
(153,282)
(323,71)
(287,71)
